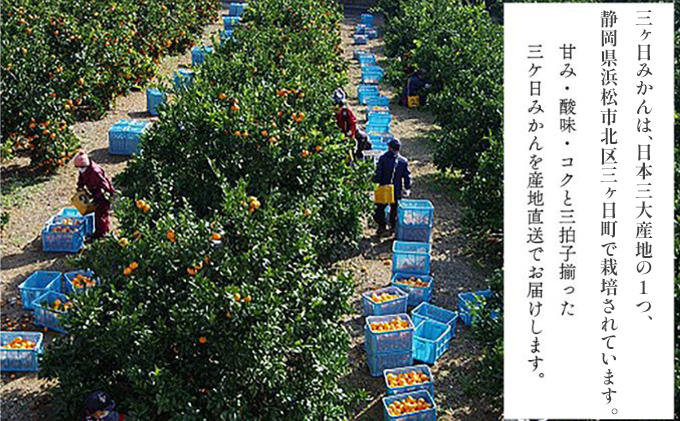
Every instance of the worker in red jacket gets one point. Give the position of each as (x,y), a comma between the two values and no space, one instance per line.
(92,178)
(344,116)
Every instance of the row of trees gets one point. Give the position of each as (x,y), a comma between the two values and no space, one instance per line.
(218,301)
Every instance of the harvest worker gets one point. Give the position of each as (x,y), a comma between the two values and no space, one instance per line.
(416,85)
(393,170)
(99,407)
(363,144)
(344,116)
(92,177)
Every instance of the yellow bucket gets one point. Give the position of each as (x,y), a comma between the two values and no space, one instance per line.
(413,101)
(384,194)
(83,202)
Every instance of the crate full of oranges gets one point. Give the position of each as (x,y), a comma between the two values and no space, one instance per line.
(391,333)
(417,287)
(79,281)
(409,379)
(19,351)
(413,406)
(390,300)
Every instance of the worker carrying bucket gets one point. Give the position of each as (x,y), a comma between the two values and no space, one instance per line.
(93,182)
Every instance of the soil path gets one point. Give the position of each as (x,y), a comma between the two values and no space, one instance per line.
(451,271)
(25,396)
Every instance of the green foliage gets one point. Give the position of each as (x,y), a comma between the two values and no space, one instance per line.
(66,59)
(232,313)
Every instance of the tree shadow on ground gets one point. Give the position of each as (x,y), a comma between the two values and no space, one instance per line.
(25,404)
(102,155)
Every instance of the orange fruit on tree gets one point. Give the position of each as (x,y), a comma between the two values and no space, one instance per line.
(134,265)
(202,340)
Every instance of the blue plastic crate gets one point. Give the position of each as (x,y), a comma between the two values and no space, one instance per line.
(388,341)
(379,117)
(360,40)
(367,91)
(376,109)
(367,59)
(420,234)
(183,78)
(420,369)
(230,22)
(237,9)
(36,285)
(424,415)
(360,29)
(124,136)
(74,213)
(56,239)
(69,277)
(382,128)
(430,341)
(198,54)
(416,294)
(426,311)
(414,220)
(372,68)
(226,34)
(408,257)
(378,363)
(44,315)
(469,300)
(20,359)
(371,78)
(396,306)
(359,52)
(380,101)
(154,98)
(378,146)
(367,19)
(382,138)
(372,33)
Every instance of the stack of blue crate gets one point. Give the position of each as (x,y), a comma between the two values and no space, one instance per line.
(387,349)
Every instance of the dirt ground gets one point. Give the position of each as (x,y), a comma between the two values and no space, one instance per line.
(451,271)
(24,396)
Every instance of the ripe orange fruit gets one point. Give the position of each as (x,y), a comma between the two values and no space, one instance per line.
(237,297)
(222,96)
(191,271)
(235,107)
(202,340)
(248,299)
(127,271)
(134,265)
(171,236)
(216,236)
(318,148)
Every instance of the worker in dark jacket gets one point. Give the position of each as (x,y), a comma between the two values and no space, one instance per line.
(362,144)
(416,85)
(100,407)
(392,169)
(93,178)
